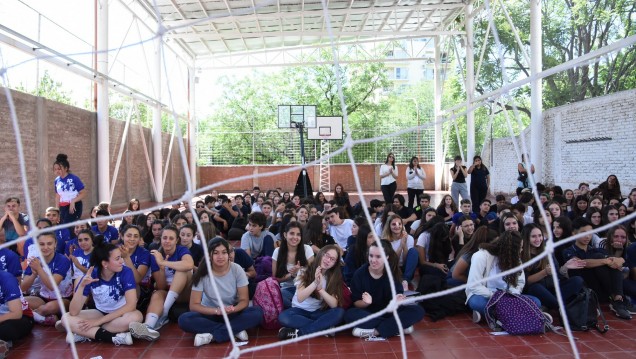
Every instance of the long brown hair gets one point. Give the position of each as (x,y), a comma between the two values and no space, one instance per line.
(526,254)
(333,275)
(506,249)
(283,250)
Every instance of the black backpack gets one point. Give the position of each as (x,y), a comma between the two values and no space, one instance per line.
(583,312)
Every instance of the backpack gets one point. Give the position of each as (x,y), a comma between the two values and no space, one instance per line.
(583,312)
(517,314)
(263,267)
(270,300)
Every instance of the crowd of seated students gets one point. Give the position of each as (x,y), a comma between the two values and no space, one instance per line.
(120,283)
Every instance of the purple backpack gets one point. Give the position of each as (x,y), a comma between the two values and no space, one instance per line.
(269,298)
(517,314)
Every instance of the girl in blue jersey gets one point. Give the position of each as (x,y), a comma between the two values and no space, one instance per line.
(112,286)
(69,191)
(14,321)
(137,258)
(45,305)
(205,318)
(171,268)
(81,256)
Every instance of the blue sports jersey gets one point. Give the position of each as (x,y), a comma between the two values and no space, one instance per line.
(111,295)
(84,259)
(10,262)
(68,188)
(139,257)
(9,290)
(110,233)
(179,252)
(58,265)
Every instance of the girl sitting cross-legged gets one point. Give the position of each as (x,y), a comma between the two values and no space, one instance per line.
(205,318)
(113,288)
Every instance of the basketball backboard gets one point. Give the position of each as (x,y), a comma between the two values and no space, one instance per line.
(290,114)
(327,128)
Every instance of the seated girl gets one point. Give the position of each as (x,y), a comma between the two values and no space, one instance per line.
(539,281)
(171,268)
(403,245)
(44,304)
(371,293)
(288,259)
(314,234)
(205,318)
(616,245)
(357,252)
(137,258)
(491,259)
(14,321)
(434,249)
(112,286)
(459,271)
(317,303)
(186,239)
(81,257)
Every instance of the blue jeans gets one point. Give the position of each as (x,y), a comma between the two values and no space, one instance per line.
(410,264)
(569,288)
(310,322)
(268,247)
(386,324)
(478,303)
(197,323)
(288,294)
(459,189)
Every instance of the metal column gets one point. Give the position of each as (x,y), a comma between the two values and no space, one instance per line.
(437,106)
(536,89)
(470,85)
(103,135)
(157,148)
(193,125)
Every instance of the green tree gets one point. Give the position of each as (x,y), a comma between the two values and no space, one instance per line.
(50,89)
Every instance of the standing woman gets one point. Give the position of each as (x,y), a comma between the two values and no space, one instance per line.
(371,293)
(388,175)
(479,182)
(69,190)
(415,184)
(522,179)
(459,174)
(112,286)
(288,259)
(205,318)
(317,304)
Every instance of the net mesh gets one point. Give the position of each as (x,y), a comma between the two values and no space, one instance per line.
(342,153)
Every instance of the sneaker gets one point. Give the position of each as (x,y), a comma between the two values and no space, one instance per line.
(287,333)
(50,320)
(76,338)
(476,317)
(363,333)
(548,317)
(242,336)
(161,322)
(59,326)
(122,339)
(618,307)
(629,306)
(409,330)
(202,339)
(4,348)
(142,331)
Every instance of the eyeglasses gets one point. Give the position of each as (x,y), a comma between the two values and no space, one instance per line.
(200,206)
(330,258)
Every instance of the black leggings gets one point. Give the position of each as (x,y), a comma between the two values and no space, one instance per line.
(413,193)
(605,281)
(14,329)
(388,191)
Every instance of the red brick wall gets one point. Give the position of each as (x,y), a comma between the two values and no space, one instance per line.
(368,174)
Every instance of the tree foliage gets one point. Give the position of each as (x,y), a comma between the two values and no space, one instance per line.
(50,89)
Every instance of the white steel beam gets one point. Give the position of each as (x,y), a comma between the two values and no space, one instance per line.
(193,125)
(536,89)
(103,132)
(470,85)
(234,35)
(157,147)
(437,108)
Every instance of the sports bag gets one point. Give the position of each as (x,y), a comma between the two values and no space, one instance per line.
(583,312)
(517,314)
(269,298)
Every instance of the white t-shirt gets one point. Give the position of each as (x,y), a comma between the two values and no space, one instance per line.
(423,241)
(384,169)
(309,253)
(310,304)
(341,232)
(410,242)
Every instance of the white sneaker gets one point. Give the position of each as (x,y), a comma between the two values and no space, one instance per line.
(202,339)
(363,333)
(76,338)
(242,336)
(122,339)
(161,322)
(409,330)
(476,316)
(142,331)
